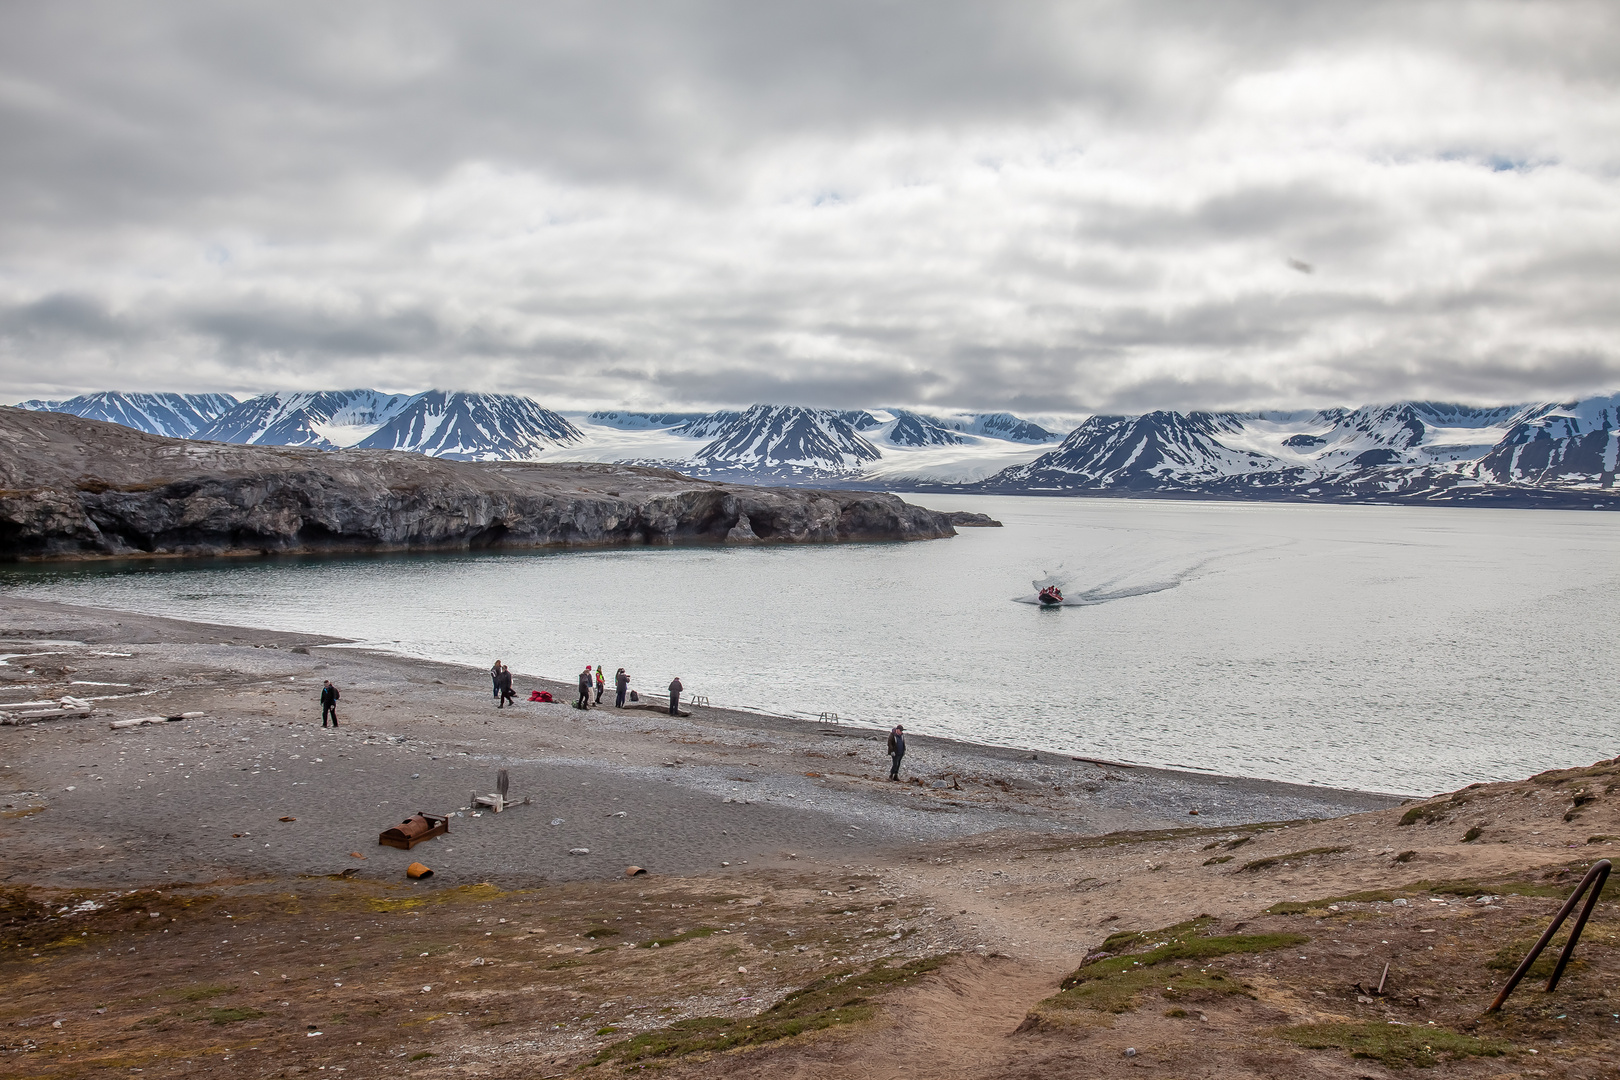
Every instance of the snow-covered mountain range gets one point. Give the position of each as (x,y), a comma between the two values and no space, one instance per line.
(1403,451)
(326,419)
(179,416)
(1407,451)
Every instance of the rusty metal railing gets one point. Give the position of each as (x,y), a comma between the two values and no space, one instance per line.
(1595,879)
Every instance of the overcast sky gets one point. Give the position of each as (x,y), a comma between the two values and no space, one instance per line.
(1039,207)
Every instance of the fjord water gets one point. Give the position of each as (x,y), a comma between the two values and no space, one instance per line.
(1390,648)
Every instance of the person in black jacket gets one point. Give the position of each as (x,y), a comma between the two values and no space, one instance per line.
(329,700)
(586,681)
(622,682)
(897,750)
(505,688)
(675,689)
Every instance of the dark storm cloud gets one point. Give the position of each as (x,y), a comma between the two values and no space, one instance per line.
(1044,206)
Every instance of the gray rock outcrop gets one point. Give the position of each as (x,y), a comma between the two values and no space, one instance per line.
(75,488)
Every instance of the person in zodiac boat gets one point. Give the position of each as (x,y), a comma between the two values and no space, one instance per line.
(1051,596)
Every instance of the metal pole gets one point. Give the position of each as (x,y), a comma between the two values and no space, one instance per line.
(1598,873)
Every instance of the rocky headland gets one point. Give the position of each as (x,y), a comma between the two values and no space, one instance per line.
(75,488)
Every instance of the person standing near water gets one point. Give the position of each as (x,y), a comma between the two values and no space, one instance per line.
(329,700)
(495,678)
(601,684)
(621,683)
(503,687)
(675,689)
(585,681)
(897,750)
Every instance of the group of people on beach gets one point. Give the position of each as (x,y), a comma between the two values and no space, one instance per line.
(593,681)
(592,684)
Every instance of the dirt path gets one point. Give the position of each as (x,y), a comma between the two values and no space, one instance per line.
(953,1026)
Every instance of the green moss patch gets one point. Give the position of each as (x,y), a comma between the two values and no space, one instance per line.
(1183,942)
(1292,856)
(1471,887)
(1511,955)
(482,891)
(233,1015)
(839,998)
(1122,991)
(685,935)
(1395,1046)
(1424,812)
(1115,984)
(1300,907)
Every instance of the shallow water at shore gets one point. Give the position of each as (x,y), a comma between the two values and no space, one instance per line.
(1389,648)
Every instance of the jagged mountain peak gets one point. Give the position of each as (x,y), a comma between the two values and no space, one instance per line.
(177,415)
(791,437)
(998,425)
(324,419)
(915,429)
(467,426)
(708,425)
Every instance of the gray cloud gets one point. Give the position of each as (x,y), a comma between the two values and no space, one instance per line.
(1029,205)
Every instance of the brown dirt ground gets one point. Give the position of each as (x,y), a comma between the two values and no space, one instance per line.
(237,977)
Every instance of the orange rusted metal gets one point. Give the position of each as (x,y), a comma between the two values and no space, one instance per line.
(413,830)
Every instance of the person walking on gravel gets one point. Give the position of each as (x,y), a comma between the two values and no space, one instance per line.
(621,683)
(675,689)
(601,683)
(329,700)
(897,750)
(503,687)
(585,681)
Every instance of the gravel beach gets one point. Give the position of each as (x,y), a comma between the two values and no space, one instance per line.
(205,797)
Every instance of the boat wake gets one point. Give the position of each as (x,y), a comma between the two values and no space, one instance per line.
(1142,581)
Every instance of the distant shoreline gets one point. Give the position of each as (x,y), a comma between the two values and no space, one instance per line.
(737,718)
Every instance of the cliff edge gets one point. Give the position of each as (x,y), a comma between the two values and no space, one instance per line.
(75,488)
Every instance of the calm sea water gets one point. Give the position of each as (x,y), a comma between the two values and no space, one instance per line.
(1392,648)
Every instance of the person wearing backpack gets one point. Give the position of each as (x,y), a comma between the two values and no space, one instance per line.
(329,700)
